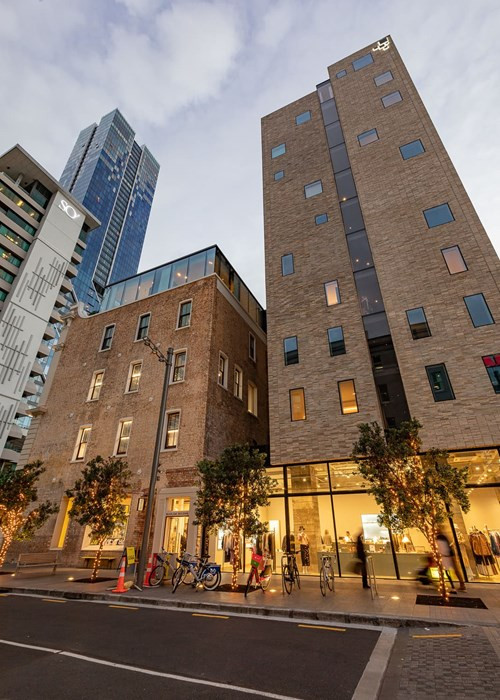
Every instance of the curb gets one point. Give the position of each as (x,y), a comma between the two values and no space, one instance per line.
(290,613)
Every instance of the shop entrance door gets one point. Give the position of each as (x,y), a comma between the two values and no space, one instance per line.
(177,526)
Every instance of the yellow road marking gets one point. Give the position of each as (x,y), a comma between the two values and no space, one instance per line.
(123,607)
(219,617)
(53,600)
(323,627)
(4,595)
(434,636)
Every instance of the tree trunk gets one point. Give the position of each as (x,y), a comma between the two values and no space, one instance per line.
(7,541)
(430,535)
(97,562)
(236,560)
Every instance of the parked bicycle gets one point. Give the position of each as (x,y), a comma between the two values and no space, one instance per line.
(202,571)
(260,573)
(289,572)
(162,567)
(326,574)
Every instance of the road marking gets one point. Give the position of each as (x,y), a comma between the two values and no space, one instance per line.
(161,674)
(434,636)
(323,627)
(123,607)
(4,595)
(219,617)
(53,600)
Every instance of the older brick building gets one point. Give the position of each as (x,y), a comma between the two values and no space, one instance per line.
(105,388)
(383,303)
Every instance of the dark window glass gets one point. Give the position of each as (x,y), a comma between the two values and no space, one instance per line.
(341,74)
(280,174)
(369,295)
(329,111)
(143,328)
(454,260)
(359,250)
(346,189)
(440,383)
(278,150)
(478,310)
(412,149)
(436,216)
(302,118)
(321,219)
(362,61)
(184,315)
(291,350)
(325,91)
(492,364)
(336,341)
(313,188)
(107,338)
(287,264)
(418,323)
(383,78)
(339,158)
(351,214)
(376,326)
(391,99)
(368,137)
(334,134)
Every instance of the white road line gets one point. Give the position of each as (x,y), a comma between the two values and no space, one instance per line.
(148,672)
(371,680)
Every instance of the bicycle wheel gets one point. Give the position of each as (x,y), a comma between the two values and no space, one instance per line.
(157,575)
(322,581)
(287,579)
(265,582)
(296,574)
(249,582)
(177,578)
(329,578)
(212,581)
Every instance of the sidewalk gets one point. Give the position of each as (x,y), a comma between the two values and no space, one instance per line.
(395,606)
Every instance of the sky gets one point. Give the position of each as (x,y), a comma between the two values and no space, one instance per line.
(194,78)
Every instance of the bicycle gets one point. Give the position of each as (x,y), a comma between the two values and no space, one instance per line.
(161,569)
(289,572)
(204,572)
(326,574)
(261,571)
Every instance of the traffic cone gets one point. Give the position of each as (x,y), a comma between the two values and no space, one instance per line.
(120,587)
(148,571)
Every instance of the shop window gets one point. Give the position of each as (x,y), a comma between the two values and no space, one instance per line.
(96,385)
(336,341)
(238,382)
(479,311)
(179,366)
(222,371)
(82,443)
(348,399)
(143,326)
(297,404)
(107,337)
(492,364)
(291,350)
(252,403)
(332,293)
(184,317)
(418,323)
(134,377)
(172,430)
(116,541)
(123,436)
(278,150)
(307,478)
(440,383)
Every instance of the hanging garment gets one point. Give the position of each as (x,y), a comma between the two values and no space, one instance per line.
(304,555)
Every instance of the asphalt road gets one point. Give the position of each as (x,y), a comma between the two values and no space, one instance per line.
(280,658)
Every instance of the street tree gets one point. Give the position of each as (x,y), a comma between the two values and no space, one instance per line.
(412,489)
(233,487)
(98,497)
(18,490)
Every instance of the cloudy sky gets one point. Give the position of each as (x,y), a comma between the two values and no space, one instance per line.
(194,77)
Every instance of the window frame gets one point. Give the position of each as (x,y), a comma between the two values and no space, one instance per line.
(253,356)
(480,325)
(280,173)
(137,339)
(225,370)
(437,206)
(310,184)
(101,348)
(301,389)
(487,367)
(180,351)
(188,325)
(417,308)
(296,362)
(120,437)
(335,354)
(131,366)
(451,247)
(390,94)
(409,144)
(171,448)
(284,257)
(238,388)
(345,381)
(275,148)
(364,133)
(304,121)
(318,216)
(80,442)
(429,368)
(381,75)
(336,282)
(92,385)
(341,74)
(361,58)
(254,393)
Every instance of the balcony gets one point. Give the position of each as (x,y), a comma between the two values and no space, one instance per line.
(66,286)
(37,370)
(49,333)
(15,432)
(43,350)
(60,301)
(71,271)
(22,409)
(30,388)
(76,258)
(55,316)
(9,455)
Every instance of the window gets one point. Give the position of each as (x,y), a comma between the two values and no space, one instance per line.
(278,150)
(279,175)
(454,260)
(134,377)
(325,91)
(172,430)
(332,293)
(287,264)
(184,319)
(321,219)
(252,398)
(347,394)
(383,78)
(346,189)
(82,442)
(362,61)
(313,188)
(297,404)
(352,216)
(143,327)
(302,118)
(339,158)
(492,364)
(478,310)
(370,298)
(418,323)
(329,112)
(412,149)
(436,216)
(62,523)
(336,341)
(179,366)
(334,134)
(391,98)
(107,337)
(252,347)
(359,251)
(440,383)
(123,438)
(341,74)
(95,385)
(238,382)
(291,350)
(368,137)
(222,371)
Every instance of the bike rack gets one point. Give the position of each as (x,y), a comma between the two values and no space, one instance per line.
(372,579)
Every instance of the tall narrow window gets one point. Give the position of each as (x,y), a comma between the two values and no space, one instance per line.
(123,438)
(454,260)
(179,367)
(82,442)
(222,372)
(107,337)
(238,382)
(291,350)
(440,383)
(278,150)
(143,326)
(347,394)
(62,523)
(134,377)
(418,323)
(95,385)
(336,341)
(287,267)
(492,364)
(172,430)
(436,216)
(332,293)
(479,311)
(313,188)
(252,347)
(184,318)
(297,404)
(252,398)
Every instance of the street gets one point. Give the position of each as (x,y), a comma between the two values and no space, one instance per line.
(199,654)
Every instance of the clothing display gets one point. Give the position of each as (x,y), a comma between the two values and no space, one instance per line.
(481,546)
(305,555)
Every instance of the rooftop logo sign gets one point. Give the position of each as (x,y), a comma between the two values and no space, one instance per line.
(382,45)
(69,210)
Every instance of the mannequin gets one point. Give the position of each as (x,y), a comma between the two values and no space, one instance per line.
(304,549)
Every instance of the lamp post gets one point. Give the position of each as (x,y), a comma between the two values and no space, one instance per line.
(156,458)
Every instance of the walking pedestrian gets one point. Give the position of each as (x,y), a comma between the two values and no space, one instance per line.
(447,556)
(360,551)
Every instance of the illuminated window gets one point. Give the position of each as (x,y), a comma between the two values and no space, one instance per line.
(184,318)
(492,364)
(252,398)
(278,150)
(172,430)
(383,78)
(107,337)
(252,347)
(222,372)
(291,350)
(332,293)
(362,61)
(348,400)
(82,442)
(238,382)
(179,366)
(454,260)
(440,383)
(287,267)
(391,98)
(62,523)
(123,439)
(302,118)
(143,327)
(134,377)
(297,404)
(95,385)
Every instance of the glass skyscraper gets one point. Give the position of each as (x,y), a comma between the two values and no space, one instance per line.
(115,179)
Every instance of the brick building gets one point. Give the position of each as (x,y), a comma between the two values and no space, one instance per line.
(104,391)
(383,303)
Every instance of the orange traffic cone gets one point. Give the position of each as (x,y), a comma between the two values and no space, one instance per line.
(120,588)
(148,571)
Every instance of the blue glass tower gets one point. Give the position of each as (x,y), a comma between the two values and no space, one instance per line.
(115,179)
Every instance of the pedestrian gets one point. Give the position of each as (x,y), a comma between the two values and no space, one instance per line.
(447,556)
(360,551)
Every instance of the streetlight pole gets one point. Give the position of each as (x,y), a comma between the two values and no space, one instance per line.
(156,459)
